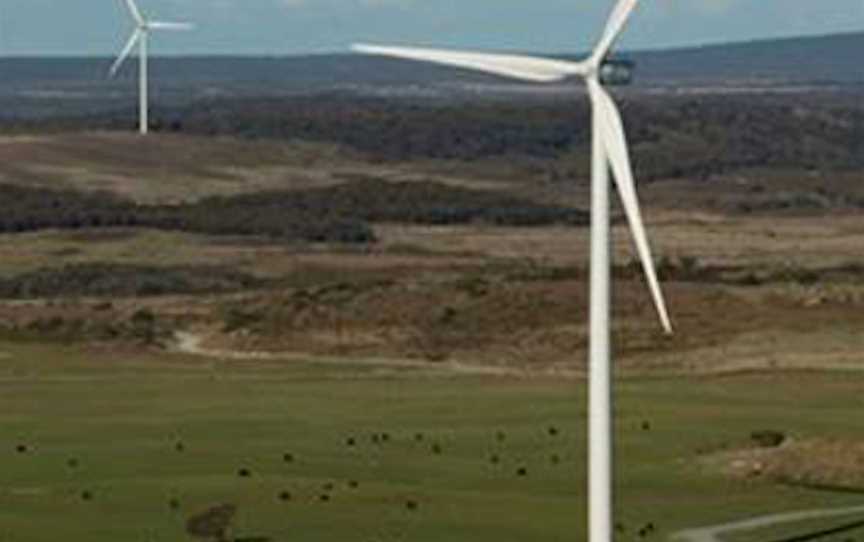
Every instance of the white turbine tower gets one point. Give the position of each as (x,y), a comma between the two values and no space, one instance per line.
(609,151)
(141,36)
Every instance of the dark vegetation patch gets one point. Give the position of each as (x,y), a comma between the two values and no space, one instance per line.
(687,269)
(373,200)
(109,279)
(334,214)
(813,201)
(73,322)
(768,438)
(24,209)
(672,137)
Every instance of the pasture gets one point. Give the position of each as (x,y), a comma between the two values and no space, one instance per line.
(114,446)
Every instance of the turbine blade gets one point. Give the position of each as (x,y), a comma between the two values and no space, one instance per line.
(617,21)
(527,68)
(161,25)
(124,54)
(615,143)
(136,13)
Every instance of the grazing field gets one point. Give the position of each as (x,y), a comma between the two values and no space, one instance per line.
(106,447)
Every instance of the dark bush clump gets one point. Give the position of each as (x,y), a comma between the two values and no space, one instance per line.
(337,214)
(212,524)
(107,279)
(768,438)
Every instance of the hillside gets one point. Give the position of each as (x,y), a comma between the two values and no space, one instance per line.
(822,59)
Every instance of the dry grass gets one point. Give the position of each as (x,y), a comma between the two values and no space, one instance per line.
(502,296)
(714,239)
(835,463)
(171,168)
(166,168)
(531,312)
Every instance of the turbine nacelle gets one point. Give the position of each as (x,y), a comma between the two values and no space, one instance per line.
(616,72)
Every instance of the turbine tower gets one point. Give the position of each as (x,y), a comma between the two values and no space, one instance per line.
(141,36)
(610,151)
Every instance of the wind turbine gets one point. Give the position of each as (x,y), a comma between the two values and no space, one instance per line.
(141,36)
(610,151)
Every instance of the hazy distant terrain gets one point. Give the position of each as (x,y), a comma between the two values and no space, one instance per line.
(38,87)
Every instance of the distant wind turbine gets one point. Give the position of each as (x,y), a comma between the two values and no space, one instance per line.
(610,150)
(141,35)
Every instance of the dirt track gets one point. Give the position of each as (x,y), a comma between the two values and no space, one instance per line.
(715,532)
(190,343)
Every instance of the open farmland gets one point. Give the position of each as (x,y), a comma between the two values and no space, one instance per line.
(131,446)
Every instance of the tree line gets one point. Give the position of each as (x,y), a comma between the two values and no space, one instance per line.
(343,213)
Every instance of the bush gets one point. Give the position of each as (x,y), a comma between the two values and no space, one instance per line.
(214,524)
(768,438)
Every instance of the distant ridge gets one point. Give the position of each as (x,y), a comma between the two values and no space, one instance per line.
(833,58)
(829,58)
(49,87)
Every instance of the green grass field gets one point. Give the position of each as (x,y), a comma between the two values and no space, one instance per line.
(121,419)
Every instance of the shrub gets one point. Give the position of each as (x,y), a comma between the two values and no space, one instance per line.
(768,438)
(214,524)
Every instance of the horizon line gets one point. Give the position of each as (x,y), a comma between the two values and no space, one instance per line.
(347,52)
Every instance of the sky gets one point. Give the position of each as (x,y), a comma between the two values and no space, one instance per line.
(287,27)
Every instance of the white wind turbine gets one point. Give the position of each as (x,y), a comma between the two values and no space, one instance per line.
(610,150)
(141,35)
